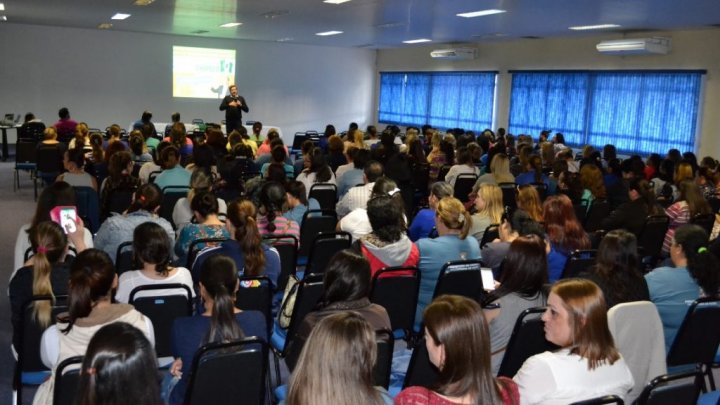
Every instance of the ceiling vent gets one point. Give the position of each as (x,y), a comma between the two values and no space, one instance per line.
(638,46)
(454,54)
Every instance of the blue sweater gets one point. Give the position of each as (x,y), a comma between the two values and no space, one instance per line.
(422,224)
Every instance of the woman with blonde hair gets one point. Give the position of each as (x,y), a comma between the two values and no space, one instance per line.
(437,157)
(453,224)
(529,206)
(592,181)
(458,344)
(587,365)
(489,206)
(499,171)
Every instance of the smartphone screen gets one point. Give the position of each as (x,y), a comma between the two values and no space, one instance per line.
(68,216)
(487,278)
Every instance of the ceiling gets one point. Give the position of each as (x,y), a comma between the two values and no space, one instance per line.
(369,23)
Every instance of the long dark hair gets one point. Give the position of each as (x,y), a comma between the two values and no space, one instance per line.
(702,264)
(386,218)
(617,264)
(147,198)
(272,199)
(56,194)
(152,245)
(524,269)
(91,278)
(119,368)
(347,277)
(218,276)
(319,166)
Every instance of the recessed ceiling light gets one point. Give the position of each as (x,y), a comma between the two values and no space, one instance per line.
(2,6)
(335,1)
(417,41)
(3,18)
(230,25)
(328,33)
(593,27)
(104,26)
(143,2)
(286,39)
(120,16)
(480,13)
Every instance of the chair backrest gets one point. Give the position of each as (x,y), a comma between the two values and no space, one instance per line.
(421,372)
(491,233)
(171,195)
(119,200)
(396,289)
(463,186)
(49,159)
(124,258)
(288,256)
(310,291)
(460,277)
(443,172)
(162,310)
(255,294)
(314,222)
(67,381)
(229,373)
(384,342)
(325,194)
(599,210)
(541,189)
(706,221)
(194,249)
(152,175)
(607,399)
(527,340)
(579,261)
(509,192)
(660,392)
(88,206)
(580,212)
(695,341)
(325,245)
(652,234)
(25,152)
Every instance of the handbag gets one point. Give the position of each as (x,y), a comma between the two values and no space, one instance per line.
(288,302)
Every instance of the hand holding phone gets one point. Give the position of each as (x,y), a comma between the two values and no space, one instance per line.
(66,217)
(488,281)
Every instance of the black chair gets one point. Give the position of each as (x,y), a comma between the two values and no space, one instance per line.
(527,340)
(29,368)
(541,189)
(88,206)
(463,186)
(714,204)
(705,221)
(325,245)
(396,289)
(125,258)
(491,233)
(310,291)
(660,392)
(49,164)
(162,310)
(580,212)
(443,172)
(578,261)
(607,399)
(697,341)
(652,236)
(314,222)
(25,159)
(384,342)
(118,201)
(229,373)
(325,194)
(288,256)
(194,249)
(599,210)
(67,381)
(255,294)
(152,175)
(460,277)
(509,192)
(421,372)
(170,196)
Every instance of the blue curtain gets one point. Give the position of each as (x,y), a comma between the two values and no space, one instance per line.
(638,112)
(443,100)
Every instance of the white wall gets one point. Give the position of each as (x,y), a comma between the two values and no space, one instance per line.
(691,50)
(106,77)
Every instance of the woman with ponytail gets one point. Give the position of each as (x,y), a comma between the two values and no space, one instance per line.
(220,321)
(695,273)
(453,223)
(271,220)
(46,273)
(534,173)
(246,248)
(90,307)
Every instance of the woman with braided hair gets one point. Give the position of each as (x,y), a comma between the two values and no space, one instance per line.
(271,219)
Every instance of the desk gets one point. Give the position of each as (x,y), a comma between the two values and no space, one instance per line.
(4,129)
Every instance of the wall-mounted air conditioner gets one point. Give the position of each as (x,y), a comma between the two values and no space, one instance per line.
(454,54)
(636,46)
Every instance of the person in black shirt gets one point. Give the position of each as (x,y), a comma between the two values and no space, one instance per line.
(233,105)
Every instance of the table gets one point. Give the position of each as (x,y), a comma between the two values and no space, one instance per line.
(4,129)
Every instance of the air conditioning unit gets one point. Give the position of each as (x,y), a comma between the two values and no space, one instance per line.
(637,46)
(454,54)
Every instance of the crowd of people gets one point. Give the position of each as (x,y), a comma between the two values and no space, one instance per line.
(396,198)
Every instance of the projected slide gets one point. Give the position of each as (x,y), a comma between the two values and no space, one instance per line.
(202,72)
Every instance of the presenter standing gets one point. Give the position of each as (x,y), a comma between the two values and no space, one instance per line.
(233,105)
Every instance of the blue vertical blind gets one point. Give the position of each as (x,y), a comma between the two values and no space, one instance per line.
(638,112)
(443,100)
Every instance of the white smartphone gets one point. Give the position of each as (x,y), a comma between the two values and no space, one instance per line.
(487,278)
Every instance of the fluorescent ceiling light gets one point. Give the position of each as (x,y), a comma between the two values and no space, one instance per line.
(480,13)
(335,1)
(3,18)
(120,16)
(2,6)
(593,27)
(104,26)
(328,33)
(417,41)
(143,2)
(230,25)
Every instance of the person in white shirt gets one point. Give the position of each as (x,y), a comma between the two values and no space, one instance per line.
(318,172)
(358,196)
(587,365)
(465,165)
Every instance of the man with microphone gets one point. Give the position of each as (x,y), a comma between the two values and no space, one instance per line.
(233,105)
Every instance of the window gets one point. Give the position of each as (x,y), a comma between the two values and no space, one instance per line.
(638,112)
(443,100)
